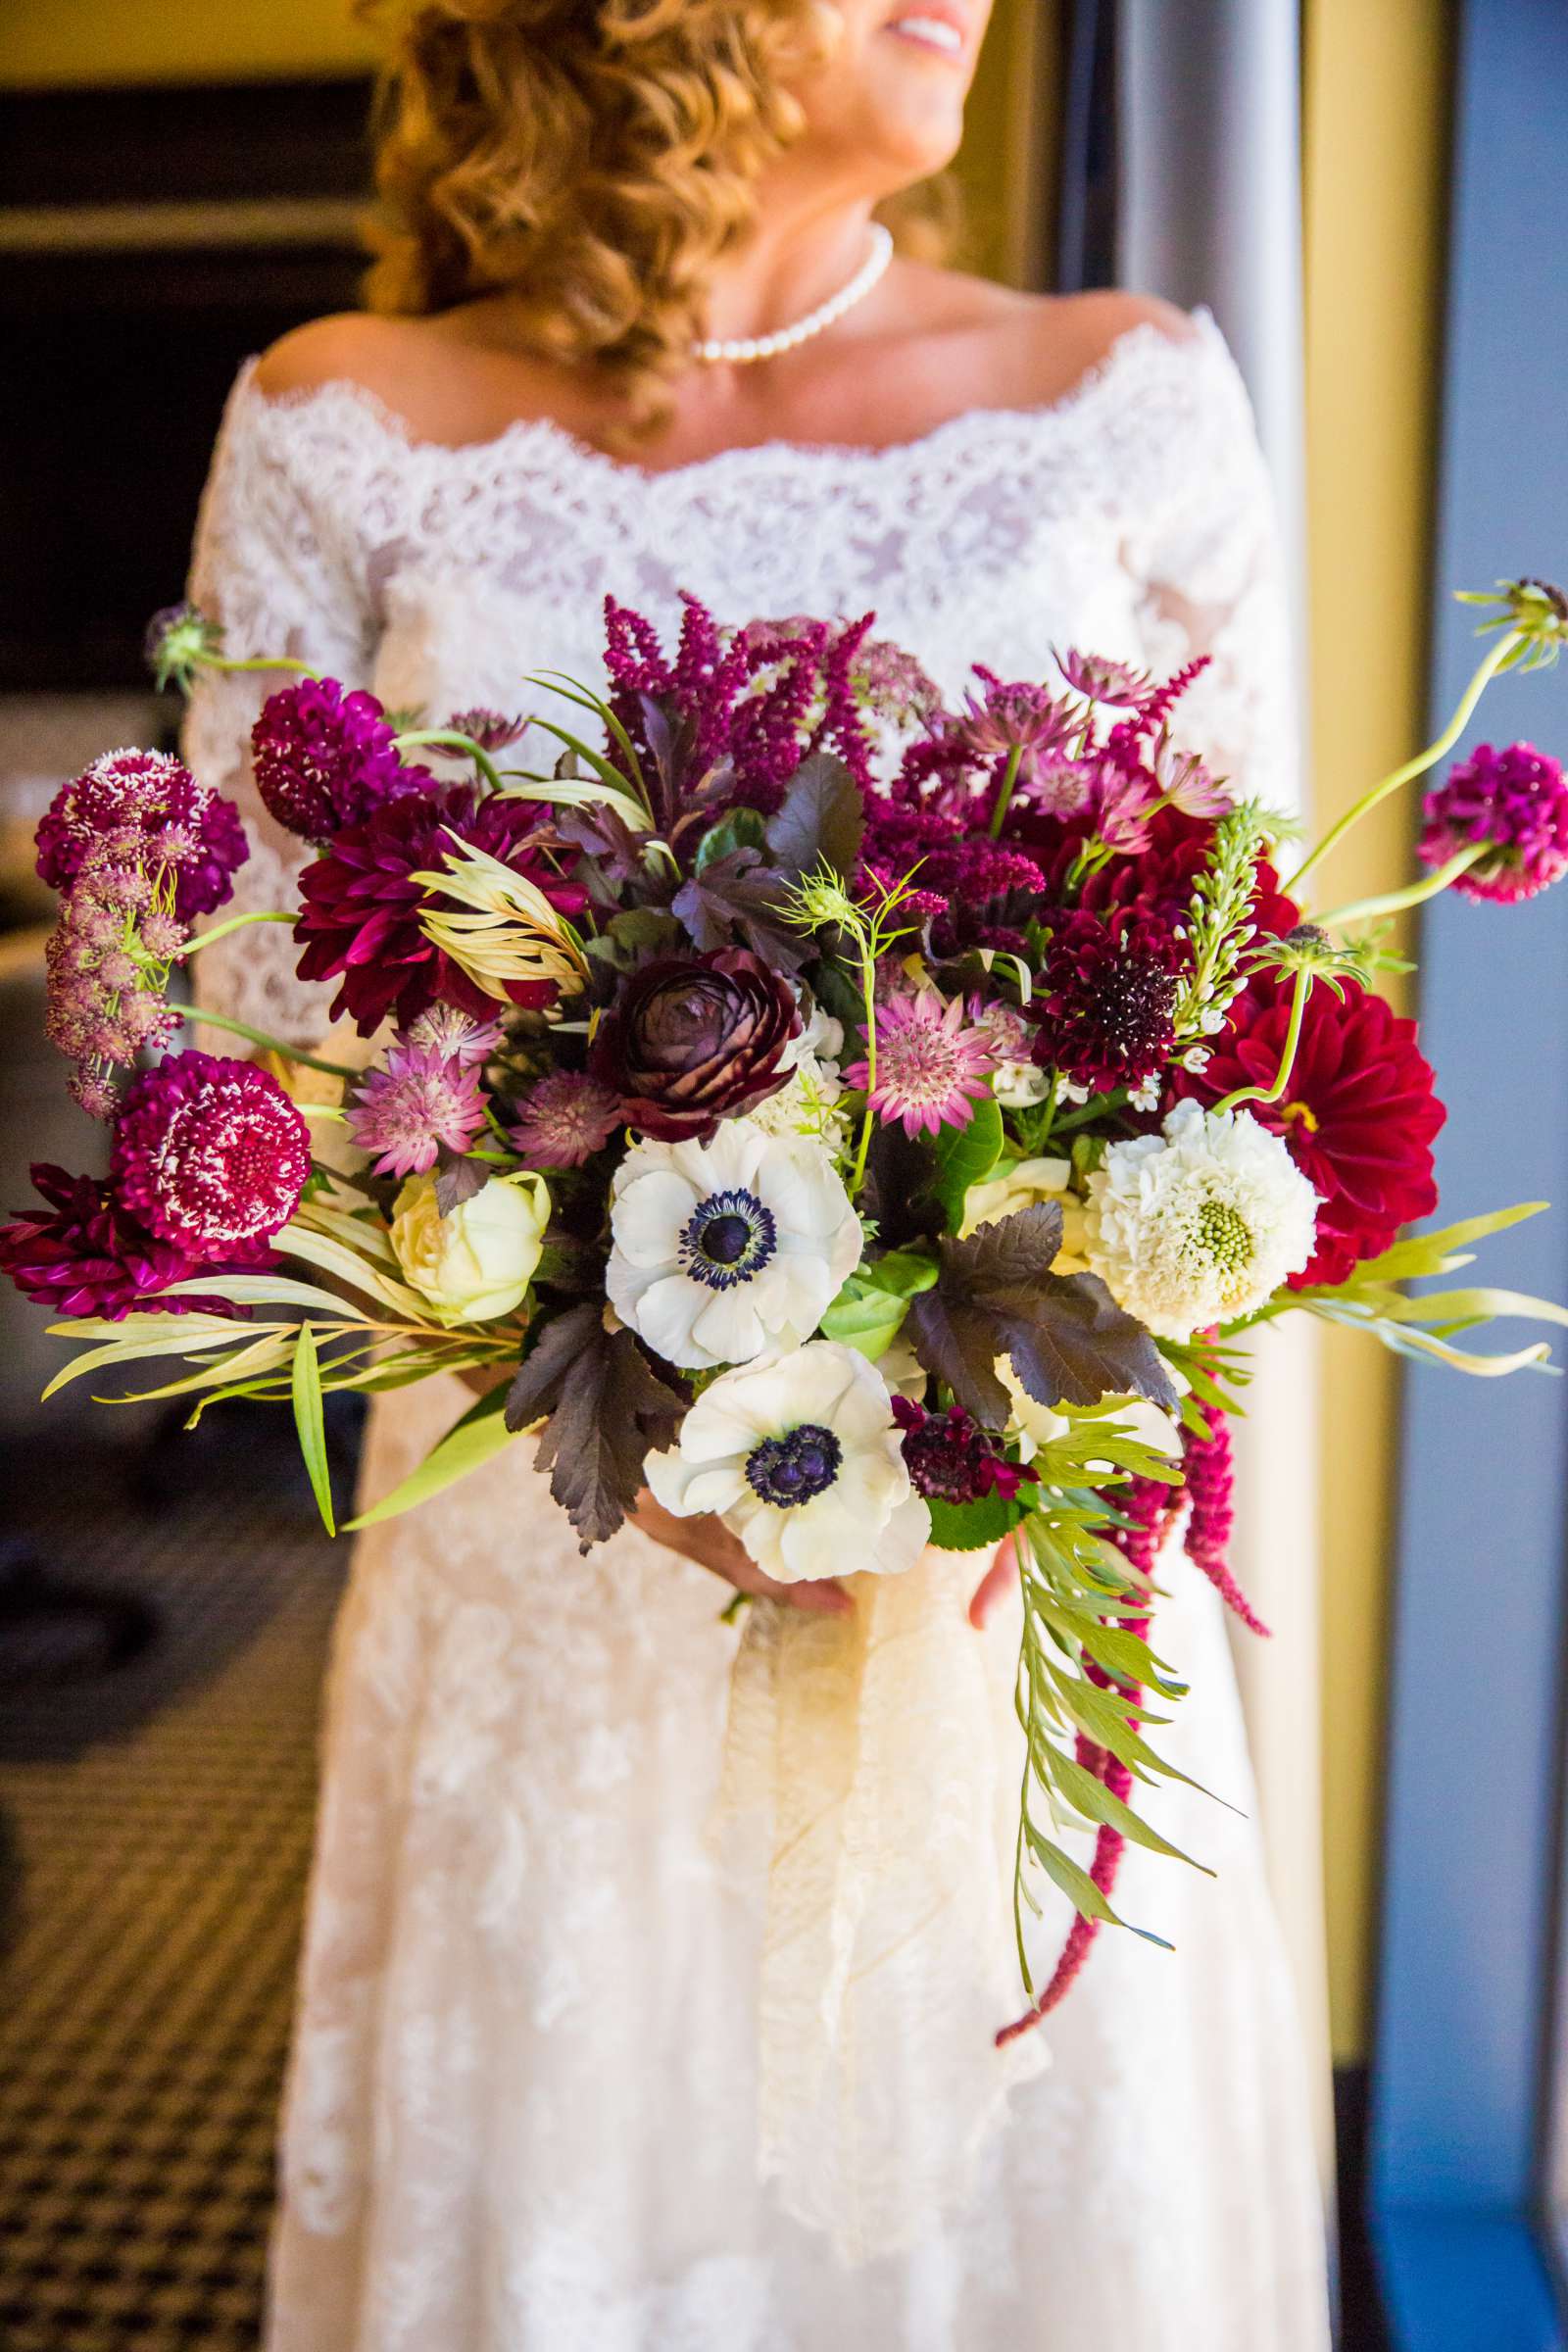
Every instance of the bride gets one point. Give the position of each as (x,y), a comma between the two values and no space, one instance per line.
(633,333)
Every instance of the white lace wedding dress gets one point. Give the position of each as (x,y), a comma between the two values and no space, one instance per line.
(528,2110)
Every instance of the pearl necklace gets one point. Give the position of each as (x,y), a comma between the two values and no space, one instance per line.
(741,351)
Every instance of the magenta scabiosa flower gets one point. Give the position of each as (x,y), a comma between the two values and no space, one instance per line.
(931,1069)
(143,810)
(359,921)
(210,1155)
(564,1120)
(419,1100)
(1515,801)
(324,759)
(84,1255)
(1106,1005)
(179,640)
(949,1456)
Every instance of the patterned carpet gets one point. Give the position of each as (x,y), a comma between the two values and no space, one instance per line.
(154,1826)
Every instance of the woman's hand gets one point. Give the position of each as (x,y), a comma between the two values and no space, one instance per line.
(1002,1572)
(710,1544)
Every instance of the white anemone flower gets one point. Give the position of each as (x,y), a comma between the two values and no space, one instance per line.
(798,1455)
(723,1248)
(1198,1224)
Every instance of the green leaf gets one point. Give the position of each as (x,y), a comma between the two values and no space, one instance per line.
(1080,1888)
(1091,1797)
(1426,1252)
(470,1442)
(308,1421)
(869,1310)
(741,829)
(974,1526)
(966,1155)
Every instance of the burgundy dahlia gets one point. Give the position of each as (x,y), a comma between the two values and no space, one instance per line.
(361,906)
(1359,1114)
(324,759)
(1516,802)
(144,810)
(210,1155)
(1157,880)
(949,1456)
(87,1256)
(696,1038)
(1106,999)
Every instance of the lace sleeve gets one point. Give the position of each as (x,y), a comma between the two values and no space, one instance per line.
(280,574)
(1208,561)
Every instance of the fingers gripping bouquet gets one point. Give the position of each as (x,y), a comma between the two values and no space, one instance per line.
(875,1123)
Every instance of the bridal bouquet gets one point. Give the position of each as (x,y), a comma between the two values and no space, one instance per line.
(874,1122)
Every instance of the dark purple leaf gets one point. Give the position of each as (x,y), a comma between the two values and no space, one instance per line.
(736,897)
(1067,1340)
(821,819)
(456,1180)
(608,1408)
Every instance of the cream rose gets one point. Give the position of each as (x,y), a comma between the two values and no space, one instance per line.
(1020,1187)
(476,1263)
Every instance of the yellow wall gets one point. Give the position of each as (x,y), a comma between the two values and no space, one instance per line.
(44,42)
(1376,118)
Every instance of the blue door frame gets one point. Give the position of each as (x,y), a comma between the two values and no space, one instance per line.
(1475,1741)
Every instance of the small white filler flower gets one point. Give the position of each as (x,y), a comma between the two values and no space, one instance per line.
(723,1248)
(801,1458)
(1200,1224)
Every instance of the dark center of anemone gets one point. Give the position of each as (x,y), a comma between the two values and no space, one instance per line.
(791,1469)
(729,1238)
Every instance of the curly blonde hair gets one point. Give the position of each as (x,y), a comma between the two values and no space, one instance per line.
(593,158)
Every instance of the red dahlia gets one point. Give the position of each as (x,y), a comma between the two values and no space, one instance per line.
(87,1256)
(359,922)
(1158,880)
(210,1155)
(1359,1114)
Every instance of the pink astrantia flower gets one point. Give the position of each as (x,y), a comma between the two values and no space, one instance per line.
(491,730)
(1100,680)
(566,1118)
(325,760)
(210,1155)
(1516,802)
(457,1035)
(418,1100)
(87,1256)
(144,810)
(930,1069)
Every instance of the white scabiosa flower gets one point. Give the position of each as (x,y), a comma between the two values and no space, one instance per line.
(798,1455)
(1201,1223)
(723,1248)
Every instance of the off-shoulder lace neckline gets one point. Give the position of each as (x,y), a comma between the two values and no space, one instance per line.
(342,396)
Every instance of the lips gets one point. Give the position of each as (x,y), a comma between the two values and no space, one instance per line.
(942,29)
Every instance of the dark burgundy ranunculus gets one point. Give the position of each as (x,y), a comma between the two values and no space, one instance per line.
(1359,1114)
(696,1038)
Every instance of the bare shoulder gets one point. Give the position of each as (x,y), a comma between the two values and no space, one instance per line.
(1035,347)
(441,375)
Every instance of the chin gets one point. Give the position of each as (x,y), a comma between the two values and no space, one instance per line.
(893,94)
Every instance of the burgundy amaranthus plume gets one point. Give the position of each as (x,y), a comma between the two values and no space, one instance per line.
(1145,1504)
(1210,1488)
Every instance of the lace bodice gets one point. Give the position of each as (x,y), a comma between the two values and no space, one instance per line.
(1133,516)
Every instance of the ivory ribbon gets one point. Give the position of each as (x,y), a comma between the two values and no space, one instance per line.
(870,1793)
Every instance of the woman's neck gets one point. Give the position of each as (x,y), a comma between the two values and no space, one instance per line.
(787,267)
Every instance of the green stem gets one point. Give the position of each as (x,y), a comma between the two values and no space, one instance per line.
(230,661)
(869,999)
(460,743)
(1292,1038)
(236,922)
(1414,894)
(1494,659)
(1102,1108)
(202,1016)
(1005,795)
